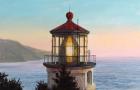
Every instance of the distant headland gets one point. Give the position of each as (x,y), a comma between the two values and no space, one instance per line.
(13,51)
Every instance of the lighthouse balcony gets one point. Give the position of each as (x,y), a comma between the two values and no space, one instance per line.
(70,61)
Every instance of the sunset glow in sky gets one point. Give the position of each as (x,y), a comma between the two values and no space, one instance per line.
(114,24)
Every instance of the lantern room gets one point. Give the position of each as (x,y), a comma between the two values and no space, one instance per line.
(69,43)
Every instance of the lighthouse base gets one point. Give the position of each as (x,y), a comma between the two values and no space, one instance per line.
(83,76)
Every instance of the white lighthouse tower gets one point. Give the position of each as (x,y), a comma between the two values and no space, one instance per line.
(70,47)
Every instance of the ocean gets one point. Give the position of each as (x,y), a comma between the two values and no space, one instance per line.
(110,73)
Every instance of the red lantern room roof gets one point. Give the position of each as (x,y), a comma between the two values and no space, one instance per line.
(69,26)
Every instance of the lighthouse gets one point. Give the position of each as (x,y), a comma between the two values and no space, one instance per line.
(70,47)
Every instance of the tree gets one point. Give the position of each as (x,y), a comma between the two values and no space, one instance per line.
(9,84)
(64,80)
(41,85)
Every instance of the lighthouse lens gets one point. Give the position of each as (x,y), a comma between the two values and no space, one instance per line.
(69,49)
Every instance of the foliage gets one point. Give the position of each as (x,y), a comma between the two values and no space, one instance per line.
(41,85)
(64,80)
(9,84)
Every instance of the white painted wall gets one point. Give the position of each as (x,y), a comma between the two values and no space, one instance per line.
(79,73)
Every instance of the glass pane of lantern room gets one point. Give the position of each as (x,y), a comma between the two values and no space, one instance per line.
(81,54)
(57,41)
(81,40)
(76,39)
(69,49)
(86,40)
(61,40)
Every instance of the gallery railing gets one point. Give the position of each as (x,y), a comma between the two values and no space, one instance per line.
(76,60)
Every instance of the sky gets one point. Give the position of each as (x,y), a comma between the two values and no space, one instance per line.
(114,25)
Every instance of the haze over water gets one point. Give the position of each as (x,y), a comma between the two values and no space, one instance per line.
(110,73)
